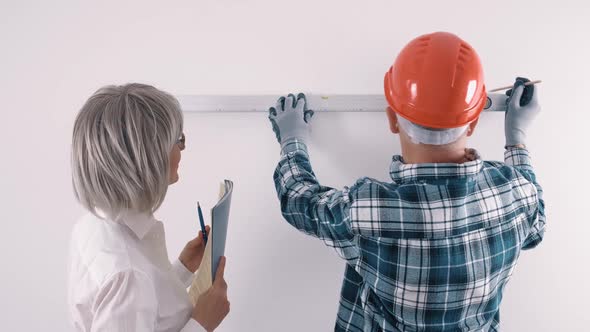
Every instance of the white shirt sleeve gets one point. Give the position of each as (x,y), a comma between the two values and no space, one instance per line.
(127,302)
(193,326)
(185,276)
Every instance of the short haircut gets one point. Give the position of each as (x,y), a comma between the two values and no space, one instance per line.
(432,136)
(121,145)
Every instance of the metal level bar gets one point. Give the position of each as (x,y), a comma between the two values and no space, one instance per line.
(261,103)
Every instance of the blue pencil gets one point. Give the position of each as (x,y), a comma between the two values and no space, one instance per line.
(202,222)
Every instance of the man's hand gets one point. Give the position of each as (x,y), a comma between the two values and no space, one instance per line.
(192,254)
(523,107)
(290,118)
(212,306)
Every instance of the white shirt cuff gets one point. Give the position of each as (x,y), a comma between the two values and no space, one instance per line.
(193,326)
(185,276)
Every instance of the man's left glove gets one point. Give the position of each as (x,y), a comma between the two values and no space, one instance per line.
(523,108)
(290,118)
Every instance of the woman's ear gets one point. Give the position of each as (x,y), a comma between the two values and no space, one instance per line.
(392,117)
(471,127)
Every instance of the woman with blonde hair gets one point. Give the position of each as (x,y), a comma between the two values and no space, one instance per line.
(126,148)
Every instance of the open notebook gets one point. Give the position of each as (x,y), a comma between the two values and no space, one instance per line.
(215,247)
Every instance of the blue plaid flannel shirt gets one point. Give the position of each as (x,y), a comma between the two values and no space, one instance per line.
(430,251)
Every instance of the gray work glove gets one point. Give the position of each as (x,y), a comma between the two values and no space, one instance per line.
(290,118)
(523,107)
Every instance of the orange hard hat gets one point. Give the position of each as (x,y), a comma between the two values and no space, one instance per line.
(437,82)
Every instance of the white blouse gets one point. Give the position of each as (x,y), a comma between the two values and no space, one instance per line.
(121,279)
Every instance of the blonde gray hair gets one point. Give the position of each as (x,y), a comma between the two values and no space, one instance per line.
(121,145)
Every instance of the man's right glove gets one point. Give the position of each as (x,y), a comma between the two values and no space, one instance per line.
(523,107)
(290,118)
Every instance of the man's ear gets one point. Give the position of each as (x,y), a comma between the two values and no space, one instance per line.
(392,117)
(471,127)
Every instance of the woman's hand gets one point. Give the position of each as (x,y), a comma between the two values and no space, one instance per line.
(212,306)
(192,254)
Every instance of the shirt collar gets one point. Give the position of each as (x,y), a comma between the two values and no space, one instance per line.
(402,172)
(139,222)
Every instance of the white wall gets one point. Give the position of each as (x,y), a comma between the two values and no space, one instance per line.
(55,54)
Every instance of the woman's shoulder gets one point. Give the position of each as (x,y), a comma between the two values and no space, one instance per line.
(100,246)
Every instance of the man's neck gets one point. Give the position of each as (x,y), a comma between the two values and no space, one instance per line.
(422,153)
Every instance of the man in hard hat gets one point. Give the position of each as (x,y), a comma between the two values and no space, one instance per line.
(433,249)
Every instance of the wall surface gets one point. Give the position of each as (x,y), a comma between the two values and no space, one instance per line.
(55,54)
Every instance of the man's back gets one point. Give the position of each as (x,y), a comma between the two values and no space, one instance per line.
(431,250)
(438,245)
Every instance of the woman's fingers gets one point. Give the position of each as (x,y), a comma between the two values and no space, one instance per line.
(219,281)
